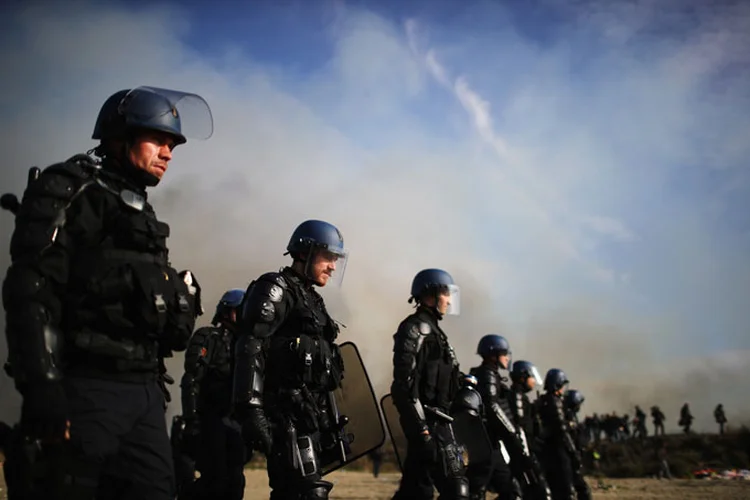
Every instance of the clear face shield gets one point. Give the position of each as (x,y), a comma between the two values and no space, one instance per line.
(195,118)
(327,267)
(536,377)
(454,300)
(508,361)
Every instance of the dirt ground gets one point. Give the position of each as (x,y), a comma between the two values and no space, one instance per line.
(362,486)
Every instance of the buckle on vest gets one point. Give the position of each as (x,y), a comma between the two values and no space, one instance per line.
(161,306)
(183,303)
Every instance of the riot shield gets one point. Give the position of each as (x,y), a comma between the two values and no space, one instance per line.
(468,426)
(472,435)
(355,399)
(398,438)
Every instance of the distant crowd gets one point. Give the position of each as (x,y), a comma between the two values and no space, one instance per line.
(614,427)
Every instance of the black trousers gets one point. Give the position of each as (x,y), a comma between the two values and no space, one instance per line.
(558,468)
(118,448)
(494,475)
(220,459)
(447,475)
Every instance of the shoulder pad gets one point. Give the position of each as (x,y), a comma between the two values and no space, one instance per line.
(271,285)
(276,278)
(80,166)
(201,334)
(413,329)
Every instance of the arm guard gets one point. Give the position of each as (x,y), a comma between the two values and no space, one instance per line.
(263,311)
(248,372)
(53,216)
(196,360)
(561,426)
(405,389)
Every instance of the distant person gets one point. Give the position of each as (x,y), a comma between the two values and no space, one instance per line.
(639,422)
(661,457)
(686,418)
(658,418)
(720,417)
(376,456)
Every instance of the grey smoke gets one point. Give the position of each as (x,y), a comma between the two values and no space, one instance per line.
(528,270)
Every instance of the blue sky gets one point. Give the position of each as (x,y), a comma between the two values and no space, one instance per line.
(581,170)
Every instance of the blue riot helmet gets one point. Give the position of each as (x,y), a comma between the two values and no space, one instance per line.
(555,380)
(316,238)
(573,400)
(129,111)
(468,398)
(231,300)
(523,371)
(493,345)
(150,108)
(469,379)
(436,282)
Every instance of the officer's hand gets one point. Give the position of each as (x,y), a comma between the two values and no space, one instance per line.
(257,430)
(44,412)
(428,448)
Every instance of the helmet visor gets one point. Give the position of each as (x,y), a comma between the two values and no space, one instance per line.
(454,300)
(327,266)
(144,105)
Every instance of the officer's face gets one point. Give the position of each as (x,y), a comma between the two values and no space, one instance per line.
(503,360)
(151,152)
(444,300)
(322,267)
(530,383)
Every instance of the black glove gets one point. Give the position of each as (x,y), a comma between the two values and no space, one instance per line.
(44,412)
(257,430)
(164,380)
(428,448)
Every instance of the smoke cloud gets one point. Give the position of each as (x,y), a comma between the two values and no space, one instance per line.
(586,193)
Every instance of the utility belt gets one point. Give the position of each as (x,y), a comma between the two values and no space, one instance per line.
(119,355)
(313,360)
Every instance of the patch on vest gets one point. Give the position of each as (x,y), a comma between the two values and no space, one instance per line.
(133,199)
(275,293)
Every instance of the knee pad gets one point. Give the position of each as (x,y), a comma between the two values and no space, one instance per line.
(319,491)
(461,488)
(478,494)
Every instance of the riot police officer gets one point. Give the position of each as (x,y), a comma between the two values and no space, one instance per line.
(560,456)
(495,353)
(215,437)
(287,365)
(93,306)
(524,378)
(572,401)
(512,457)
(426,379)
